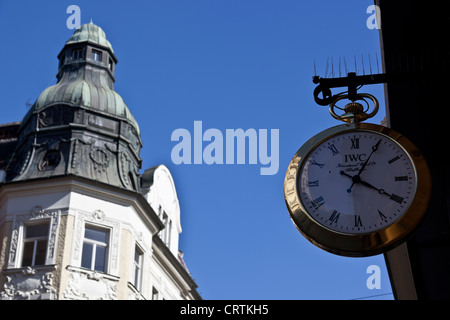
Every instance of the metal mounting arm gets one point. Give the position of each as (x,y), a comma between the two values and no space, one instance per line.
(353,81)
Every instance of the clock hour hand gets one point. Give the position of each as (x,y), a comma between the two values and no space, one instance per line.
(355,179)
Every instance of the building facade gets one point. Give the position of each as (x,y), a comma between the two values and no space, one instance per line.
(77,219)
(414,47)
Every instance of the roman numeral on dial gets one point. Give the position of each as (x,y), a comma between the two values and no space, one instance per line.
(355,143)
(315,163)
(333,149)
(382,216)
(393,159)
(358,222)
(334,216)
(396,198)
(314,183)
(317,203)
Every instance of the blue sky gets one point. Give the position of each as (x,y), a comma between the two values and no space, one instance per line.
(230,64)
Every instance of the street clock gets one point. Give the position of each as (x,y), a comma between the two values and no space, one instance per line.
(357,189)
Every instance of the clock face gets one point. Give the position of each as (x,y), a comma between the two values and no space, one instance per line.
(357,182)
(357,189)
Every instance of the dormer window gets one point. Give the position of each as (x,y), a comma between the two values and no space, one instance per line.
(96,55)
(50,160)
(77,54)
(165,233)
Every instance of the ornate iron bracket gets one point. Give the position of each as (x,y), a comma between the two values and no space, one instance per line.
(324,97)
(352,82)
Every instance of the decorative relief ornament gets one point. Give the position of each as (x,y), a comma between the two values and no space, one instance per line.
(28,284)
(98,215)
(100,159)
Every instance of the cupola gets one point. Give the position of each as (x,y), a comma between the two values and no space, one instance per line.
(80,125)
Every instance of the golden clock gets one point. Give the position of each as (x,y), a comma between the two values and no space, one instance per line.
(357,189)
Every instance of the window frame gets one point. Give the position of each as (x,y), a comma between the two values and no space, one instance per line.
(110,65)
(138,267)
(95,244)
(77,54)
(96,53)
(166,232)
(35,241)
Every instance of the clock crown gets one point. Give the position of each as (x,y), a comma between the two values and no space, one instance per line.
(354,111)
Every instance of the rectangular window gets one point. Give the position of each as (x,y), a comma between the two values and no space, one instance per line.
(35,244)
(96,55)
(95,249)
(110,64)
(165,233)
(138,257)
(77,54)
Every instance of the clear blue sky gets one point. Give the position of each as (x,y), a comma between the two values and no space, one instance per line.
(230,64)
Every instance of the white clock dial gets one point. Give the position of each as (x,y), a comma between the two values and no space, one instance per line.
(357,189)
(357,182)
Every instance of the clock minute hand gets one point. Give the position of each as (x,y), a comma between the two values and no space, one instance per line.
(374,148)
(381,191)
(356,178)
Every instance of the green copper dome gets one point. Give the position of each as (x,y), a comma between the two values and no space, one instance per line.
(90,33)
(86,79)
(80,126)
(85,94)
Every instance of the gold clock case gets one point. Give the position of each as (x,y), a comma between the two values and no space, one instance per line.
(357,245)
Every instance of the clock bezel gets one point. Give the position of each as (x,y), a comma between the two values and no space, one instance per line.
(370,243)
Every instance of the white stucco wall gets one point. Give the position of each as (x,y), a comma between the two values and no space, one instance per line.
(84,203)
(163,194)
